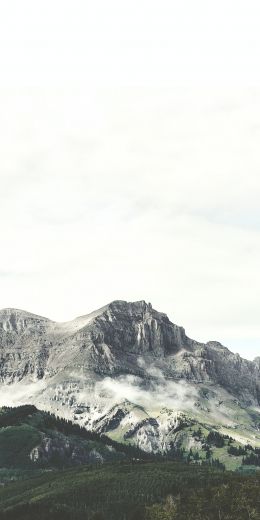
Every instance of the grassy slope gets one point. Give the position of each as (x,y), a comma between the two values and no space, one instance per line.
(185,440)
(116,490)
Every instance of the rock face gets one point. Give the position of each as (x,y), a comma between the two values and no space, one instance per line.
(64,450)
(120,367)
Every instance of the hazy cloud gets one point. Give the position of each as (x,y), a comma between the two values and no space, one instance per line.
(153,394)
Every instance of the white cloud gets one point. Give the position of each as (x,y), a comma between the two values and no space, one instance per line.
(21,393)
(129,43)
(160,393)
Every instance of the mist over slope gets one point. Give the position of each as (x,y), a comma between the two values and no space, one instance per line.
(126,370)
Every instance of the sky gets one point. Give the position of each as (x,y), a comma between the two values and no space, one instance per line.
(130,162)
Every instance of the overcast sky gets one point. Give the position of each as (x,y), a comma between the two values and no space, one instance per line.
(130,161)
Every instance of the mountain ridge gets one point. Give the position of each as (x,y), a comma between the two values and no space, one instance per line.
(140,303)
(88,368)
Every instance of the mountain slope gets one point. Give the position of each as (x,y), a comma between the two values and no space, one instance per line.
(32,439)
(127,371)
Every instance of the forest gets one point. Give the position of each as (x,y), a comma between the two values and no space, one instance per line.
(133,491)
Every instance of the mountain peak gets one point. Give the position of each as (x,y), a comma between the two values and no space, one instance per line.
(138,308)
(140,304)
(10,311)
(16,321)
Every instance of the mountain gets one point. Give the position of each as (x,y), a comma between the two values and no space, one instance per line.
(127,371)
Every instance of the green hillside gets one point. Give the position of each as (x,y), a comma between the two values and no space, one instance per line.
(123,491)
(34,440)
